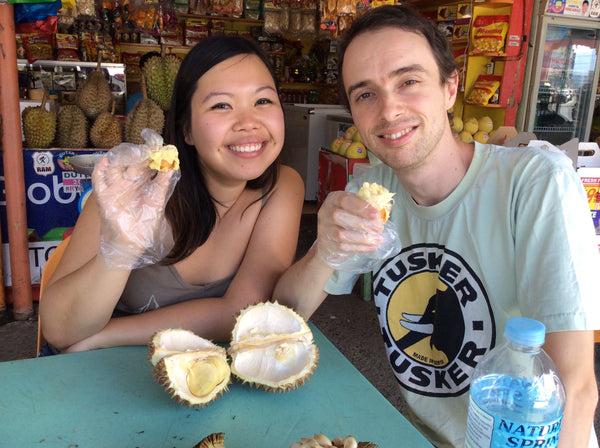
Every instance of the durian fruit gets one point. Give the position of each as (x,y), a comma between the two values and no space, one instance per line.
(106,131)
(72,128)
(39,125)
(192,369)
(160,73)
(272,347)
(145,114)
(93,95)
(215,440)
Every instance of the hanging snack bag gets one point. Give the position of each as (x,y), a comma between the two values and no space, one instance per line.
(485,91)
(489,33)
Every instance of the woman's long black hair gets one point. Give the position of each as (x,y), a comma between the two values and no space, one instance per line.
(191,210)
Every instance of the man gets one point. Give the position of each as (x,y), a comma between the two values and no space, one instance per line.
(487,233)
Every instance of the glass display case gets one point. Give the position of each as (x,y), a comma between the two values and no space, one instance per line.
(564,79)
(62,77)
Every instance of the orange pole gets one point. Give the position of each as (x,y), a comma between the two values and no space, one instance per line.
(14,178)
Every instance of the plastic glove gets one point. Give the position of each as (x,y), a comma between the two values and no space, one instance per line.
(351,234)
(131,199)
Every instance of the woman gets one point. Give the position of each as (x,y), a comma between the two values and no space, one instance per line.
(234,215)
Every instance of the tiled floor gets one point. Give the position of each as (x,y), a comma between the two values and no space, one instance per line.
(348,321)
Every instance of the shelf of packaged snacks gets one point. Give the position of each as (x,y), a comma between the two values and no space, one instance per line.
(225,18)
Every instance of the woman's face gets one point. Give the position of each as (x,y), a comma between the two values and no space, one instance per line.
(236,122)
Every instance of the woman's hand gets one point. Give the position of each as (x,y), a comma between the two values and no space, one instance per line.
(131,199)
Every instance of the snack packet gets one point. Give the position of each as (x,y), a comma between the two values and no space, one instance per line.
(489,33)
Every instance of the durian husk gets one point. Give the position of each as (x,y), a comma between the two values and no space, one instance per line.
(39,125)
(145,114)
(215,440)
(93,95)
(272,347)
(191,369)
(106,131)
(176,340)
(160,73)
(72,127)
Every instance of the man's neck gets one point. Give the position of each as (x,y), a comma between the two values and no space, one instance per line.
(432,182)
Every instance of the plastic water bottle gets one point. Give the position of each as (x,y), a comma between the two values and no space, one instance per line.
(517,397)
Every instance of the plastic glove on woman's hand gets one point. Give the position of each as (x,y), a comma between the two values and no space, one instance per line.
(131,199)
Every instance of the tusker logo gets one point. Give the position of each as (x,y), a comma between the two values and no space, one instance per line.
(435,319)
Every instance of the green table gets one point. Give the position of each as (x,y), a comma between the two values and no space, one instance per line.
(108,398)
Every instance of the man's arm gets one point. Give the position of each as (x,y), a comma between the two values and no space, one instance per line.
(573,354)
(346,225)
(301,287)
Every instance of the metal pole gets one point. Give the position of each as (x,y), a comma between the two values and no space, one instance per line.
(14,179)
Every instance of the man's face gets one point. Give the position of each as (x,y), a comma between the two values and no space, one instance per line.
(396,98)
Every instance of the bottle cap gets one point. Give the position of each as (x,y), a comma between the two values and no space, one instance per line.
(525,331)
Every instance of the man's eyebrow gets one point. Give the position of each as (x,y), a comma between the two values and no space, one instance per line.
(413,68)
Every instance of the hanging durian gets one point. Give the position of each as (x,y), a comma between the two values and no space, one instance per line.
(145,114)
(39,125)
(193,370)
(272,347)
(106,131)
(93,95)
(160,73)
(72,129)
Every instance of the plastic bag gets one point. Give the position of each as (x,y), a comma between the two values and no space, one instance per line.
(131,198)
(361,262)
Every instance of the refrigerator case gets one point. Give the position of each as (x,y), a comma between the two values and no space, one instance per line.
(308,127)
(564,78)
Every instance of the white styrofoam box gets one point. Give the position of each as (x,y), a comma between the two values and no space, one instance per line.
(589,155)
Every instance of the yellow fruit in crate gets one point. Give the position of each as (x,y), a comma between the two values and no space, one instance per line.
(356,137)
(486,124)
(471,125)
(357,151)
(349,134)
(344,147)
(481,137)
(457,125)
(465,136)
(335,145)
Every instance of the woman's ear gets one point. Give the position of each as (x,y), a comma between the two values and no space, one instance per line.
(187,136)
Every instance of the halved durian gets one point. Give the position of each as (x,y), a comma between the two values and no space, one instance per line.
(176,340)
(272,347)
(193,370)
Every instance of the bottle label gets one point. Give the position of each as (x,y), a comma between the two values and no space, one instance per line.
(486,430)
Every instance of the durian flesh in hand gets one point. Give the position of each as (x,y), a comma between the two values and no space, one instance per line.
(193,370)
(272,347)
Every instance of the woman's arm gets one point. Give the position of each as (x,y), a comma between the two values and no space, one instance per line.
(271,250)
(81,294)
(573,355)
